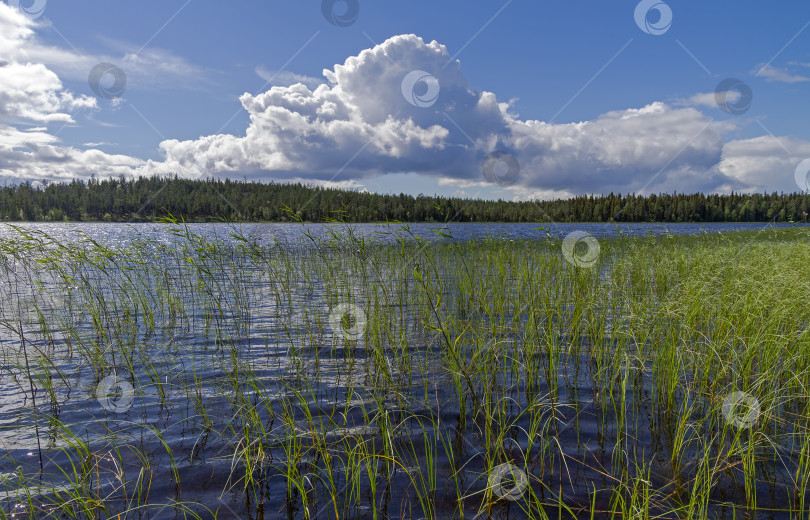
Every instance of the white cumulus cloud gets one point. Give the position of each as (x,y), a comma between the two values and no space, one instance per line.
(360,124)
(764,162)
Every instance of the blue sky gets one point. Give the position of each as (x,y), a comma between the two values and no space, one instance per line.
(578,93)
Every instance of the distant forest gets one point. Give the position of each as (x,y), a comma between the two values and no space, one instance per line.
(150,199)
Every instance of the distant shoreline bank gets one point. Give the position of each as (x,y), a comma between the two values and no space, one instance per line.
(154,199)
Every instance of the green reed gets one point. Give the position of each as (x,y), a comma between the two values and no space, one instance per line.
(608,386)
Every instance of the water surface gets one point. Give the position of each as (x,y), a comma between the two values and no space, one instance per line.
(292,233)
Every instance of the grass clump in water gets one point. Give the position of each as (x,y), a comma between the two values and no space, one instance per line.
(352,376)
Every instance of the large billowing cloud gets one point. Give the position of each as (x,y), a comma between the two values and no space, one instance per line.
(361,123)
(402,106)
(654,148)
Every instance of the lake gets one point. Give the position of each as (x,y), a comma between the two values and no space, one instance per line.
(157,372)
(291,233)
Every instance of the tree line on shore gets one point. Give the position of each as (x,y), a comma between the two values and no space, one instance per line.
(151,199)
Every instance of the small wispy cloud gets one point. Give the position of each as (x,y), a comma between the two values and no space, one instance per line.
(776,74)
(287,78)
(149,69)
(707,99)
